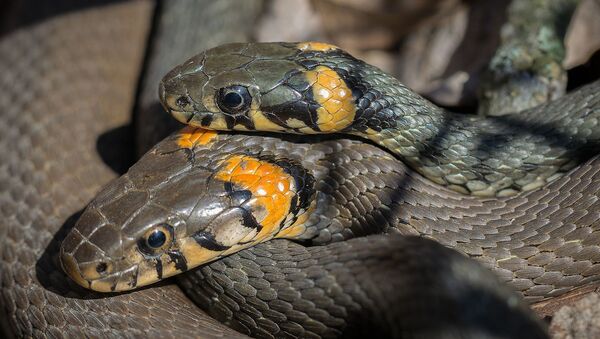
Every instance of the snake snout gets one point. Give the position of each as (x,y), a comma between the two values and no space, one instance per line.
(83,261)
(93,250)
(175,101)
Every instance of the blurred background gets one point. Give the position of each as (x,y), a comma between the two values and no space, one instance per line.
(440,48)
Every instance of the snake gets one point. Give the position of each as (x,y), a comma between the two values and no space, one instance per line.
(201,196)
(528,230)
(50,172)
(314,87)
(183,204)
(63,109)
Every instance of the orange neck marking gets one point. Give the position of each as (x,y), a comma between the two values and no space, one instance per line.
(337,109)
(272,190)
(192,136)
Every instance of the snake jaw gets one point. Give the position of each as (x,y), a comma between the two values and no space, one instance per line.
(183,117)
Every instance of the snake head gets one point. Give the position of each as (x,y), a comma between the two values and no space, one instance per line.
(279,87)
(171,213)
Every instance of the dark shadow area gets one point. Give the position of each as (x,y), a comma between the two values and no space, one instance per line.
(51,276)
(579,149)
(464,308)
(116,148)
(15,14)
(480,43)
(145,140)
(151,125)
(584,74)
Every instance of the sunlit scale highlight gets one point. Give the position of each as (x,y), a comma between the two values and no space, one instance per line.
(316,46)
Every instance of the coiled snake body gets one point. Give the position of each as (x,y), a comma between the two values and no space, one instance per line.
(541,241)
(45,180)
(200,195)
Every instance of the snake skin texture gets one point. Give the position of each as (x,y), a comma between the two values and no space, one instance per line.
(543,241)
(48,172)
(361,287)
(279,288)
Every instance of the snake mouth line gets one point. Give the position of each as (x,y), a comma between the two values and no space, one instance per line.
(115,282)
(181,116)
(195,118)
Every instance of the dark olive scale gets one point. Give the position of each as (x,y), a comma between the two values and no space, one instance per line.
(237,196)
(134,279)
(178,259)
(206,120)
(304,108)
(249,221)
(159,268)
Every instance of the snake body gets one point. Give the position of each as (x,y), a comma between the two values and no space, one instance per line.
(279,288)
(214,198)
(539,240)
(60,108)
(318,88)
(37,196)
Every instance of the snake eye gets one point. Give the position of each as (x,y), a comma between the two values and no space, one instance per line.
(156,239)
(234,99)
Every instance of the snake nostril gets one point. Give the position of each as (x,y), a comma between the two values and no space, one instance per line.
(101,267)
(182,101)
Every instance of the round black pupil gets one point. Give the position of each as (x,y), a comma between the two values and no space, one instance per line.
(157,239)
(232,100)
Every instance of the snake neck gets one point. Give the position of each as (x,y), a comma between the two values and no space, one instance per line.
(471,154)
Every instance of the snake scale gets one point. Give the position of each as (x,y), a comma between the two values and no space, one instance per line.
(46,310)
